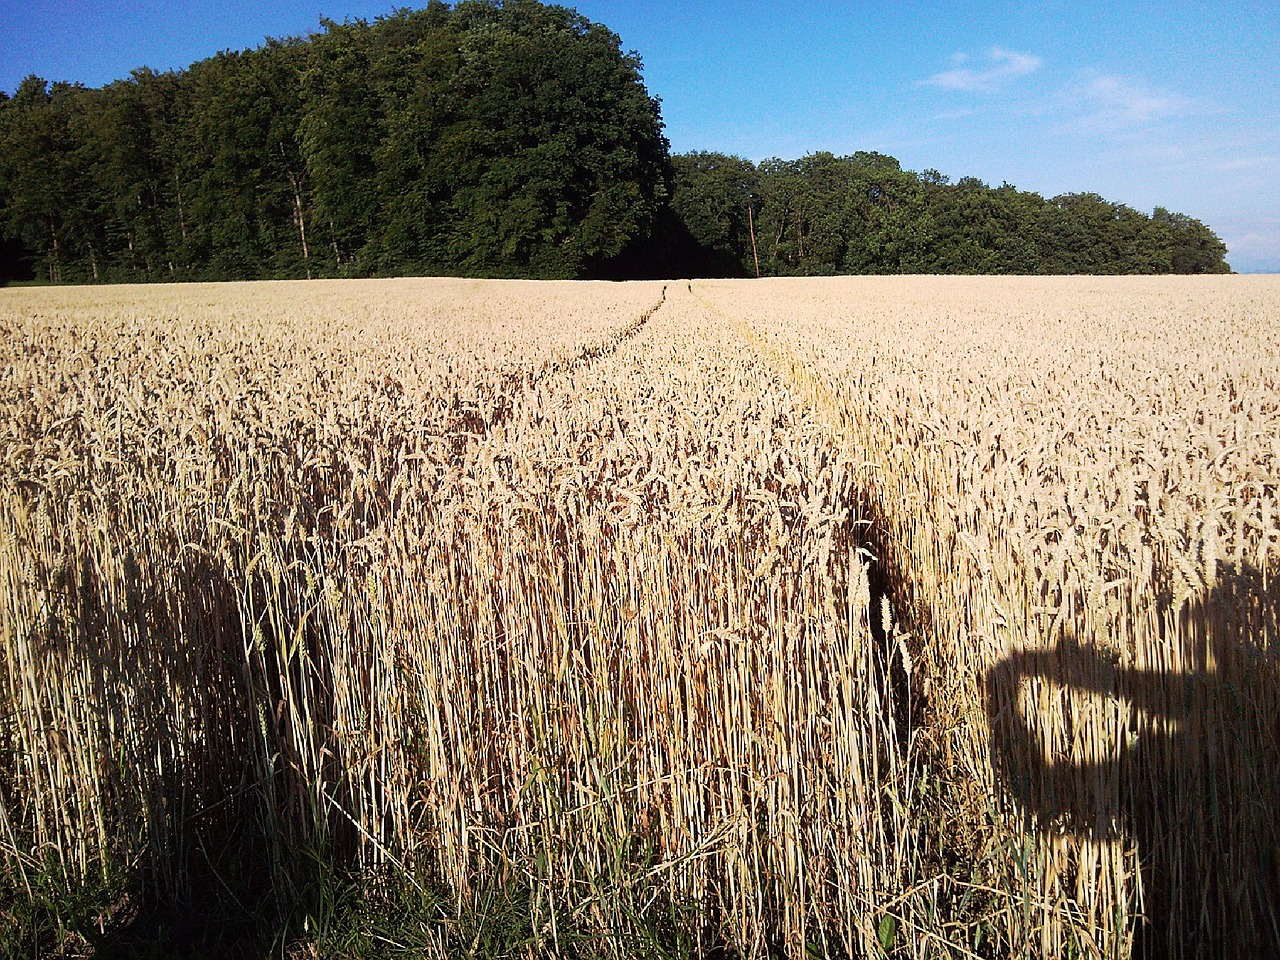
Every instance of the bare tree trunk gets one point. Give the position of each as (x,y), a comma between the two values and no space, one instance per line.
(55,263)
(182,214)
(302,230)
(300,222)
(299,219)
(751,220)
(93,262)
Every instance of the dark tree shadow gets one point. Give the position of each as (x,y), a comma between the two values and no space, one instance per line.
(170,720)
(1197,785)
(668,252)
(15,262)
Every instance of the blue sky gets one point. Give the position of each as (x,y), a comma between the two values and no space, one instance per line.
(1171,103)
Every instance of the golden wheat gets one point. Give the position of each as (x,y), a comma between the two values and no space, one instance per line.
(934,617)
(1077,482)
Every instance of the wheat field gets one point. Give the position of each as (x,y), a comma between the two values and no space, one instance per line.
(907,617)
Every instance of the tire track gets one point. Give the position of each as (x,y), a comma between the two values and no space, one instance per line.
(892,597)
(467,421)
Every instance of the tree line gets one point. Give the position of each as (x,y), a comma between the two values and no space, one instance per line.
(863,213)
(486,138)
(505,139)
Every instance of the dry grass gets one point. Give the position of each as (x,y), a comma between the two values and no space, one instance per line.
(569,587)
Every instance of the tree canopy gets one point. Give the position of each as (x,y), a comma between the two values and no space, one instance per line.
(488,138)
(863,213)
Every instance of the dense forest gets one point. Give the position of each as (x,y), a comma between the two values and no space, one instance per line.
(487,138)
(864,214)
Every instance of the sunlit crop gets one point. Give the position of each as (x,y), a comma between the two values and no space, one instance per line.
(916,617)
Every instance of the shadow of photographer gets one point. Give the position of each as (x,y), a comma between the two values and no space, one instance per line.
(1195,779)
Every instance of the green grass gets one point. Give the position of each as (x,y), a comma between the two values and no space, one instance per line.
(334,916)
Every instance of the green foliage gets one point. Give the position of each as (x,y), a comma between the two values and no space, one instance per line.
(44,914)
(887,932)
(336,914)
(490,138)
(506,917)
(711,199)
(863,213)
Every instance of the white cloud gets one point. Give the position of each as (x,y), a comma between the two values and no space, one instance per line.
(1113,101)
(1127,110)
(962,113)
(1256,242)
(1003,66)
(1249,163)
(1253,243)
